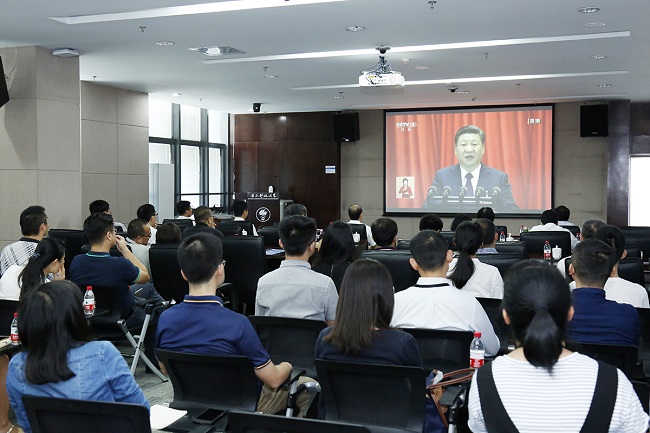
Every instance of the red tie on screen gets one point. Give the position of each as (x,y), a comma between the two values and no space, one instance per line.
(468,185)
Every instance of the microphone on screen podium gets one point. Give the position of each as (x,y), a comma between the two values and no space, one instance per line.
(480,192)
(496,191)
(445,193)
(432,191)
(462,192)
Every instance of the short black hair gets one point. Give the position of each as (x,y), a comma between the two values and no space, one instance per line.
(354,212)
(31,220)
(297,233)
(469,129)
(99,206)
(168,233)
(563,213)
(239,207)
(429,250)
(199,256)
(485,212)
(549,216)
(295,209)
(459,219)
(202,214)
(593,261)
(489,230)
(590,226)
(183,206)
(614,237)
(136,228)
(146,211)
(383,231)
(96,226)
(431,222)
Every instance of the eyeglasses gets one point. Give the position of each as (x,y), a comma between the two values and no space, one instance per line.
(223,263)
(145,236)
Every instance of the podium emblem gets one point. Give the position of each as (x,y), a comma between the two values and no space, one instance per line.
(263,214)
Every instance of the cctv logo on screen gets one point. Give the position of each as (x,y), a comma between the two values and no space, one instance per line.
(406,126)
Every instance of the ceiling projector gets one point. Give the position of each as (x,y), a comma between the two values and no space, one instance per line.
(394,79)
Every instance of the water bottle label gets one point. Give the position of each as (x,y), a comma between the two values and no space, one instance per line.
(476,359)
(15,339)
(89,306)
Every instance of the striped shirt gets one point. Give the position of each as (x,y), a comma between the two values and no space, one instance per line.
(537,401)
(17,253)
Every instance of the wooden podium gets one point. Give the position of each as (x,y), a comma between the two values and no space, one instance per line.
(265,208)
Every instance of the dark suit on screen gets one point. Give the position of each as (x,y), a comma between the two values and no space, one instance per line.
(488,178)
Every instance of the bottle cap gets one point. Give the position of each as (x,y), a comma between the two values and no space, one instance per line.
(89,287)
(477,335)
(15,314)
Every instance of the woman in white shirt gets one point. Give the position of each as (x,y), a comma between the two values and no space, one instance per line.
(541,386)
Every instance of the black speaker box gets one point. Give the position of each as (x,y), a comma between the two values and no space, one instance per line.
(593,121)
(346,126)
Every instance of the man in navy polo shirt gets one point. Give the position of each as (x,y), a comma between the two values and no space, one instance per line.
(201,324)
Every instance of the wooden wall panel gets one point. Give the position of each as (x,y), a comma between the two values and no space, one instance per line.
(618,163)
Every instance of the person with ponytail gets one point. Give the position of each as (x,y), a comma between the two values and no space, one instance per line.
(46,264)
(466,272)
(541,386)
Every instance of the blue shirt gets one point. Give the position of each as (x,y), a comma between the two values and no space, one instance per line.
(201,324)
(101,374)
(102,269)
(601,321)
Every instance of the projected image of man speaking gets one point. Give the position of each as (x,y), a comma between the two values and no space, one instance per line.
(470,181)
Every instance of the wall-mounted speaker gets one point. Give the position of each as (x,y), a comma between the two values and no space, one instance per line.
(257,106)
(593,121)
(346,126)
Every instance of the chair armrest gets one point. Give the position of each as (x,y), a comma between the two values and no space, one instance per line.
(293,377)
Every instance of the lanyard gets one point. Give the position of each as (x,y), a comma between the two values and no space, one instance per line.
(433,285)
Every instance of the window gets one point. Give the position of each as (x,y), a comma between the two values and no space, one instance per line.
(639,181)
(193,139)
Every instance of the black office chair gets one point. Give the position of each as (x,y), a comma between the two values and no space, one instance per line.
(291,340)
(493,310)
(384,398)
(644,339)
(245,226)
(639,236)
(397,262)
(114,252)
(166,272)
(501,229)
(631,269)
(516,247)
(449,237)
(359,229)
(535,242)
(633,250)
(246,263)
(182,223)
(73,240)
(501,261)
(575,230)
(229,231)
(7,310)
(271,236)
(242,422)
(622,357)
(62,415)
(403,245)
(441,349)
(642,390)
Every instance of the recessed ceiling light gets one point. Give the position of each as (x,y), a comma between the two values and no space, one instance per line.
(217,50)
(598,57)
(355,29)
(605,85)
(594,24)
(462,91)
(588,10)
(176,94)
(271,77)
(164,43)
(422,67)
(340,96)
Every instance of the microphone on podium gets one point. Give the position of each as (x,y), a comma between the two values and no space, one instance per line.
(496,191)
(445,193)
(432,191)
(480,192)
(461,193)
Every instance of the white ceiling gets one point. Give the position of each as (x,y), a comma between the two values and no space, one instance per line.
(546,56)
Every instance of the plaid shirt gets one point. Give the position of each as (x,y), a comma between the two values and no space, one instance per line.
(17,253)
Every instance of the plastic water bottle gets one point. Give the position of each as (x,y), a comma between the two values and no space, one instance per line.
(244,232)
(89,302)
(547,251)
(502,237)
(476,351)
(15,338)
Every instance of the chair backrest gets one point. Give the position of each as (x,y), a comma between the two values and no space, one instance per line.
(73,240)
(224,382)
(381,395)
(61,415)
(271,236)
(246,262)
(166,272)
(182,223)
(631,269)
(517,247)
(644,334)
(230,230)
(622,357)
(245,225)
(397,262)
(642,390)
(639,236)
(242,422)
(501,229)
(85,248)
(633,250)
(112,301)
(403,244)
(501,261)
(535,242)
(493,310)
(7,310)
(442,349)
(292,340)
(575,230)
(359,229)
(449,237)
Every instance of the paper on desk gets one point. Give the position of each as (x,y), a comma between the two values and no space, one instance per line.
(162,416)
(273,251)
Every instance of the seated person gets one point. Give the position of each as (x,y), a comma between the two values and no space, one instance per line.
(489,237)
(516,392)
(596,319)
(240,210)
(384,232)
(588,231)
(34,227)
(433,303)
(336,252)
(466,272)
(168,234)
(431,222)
(59,358)
(201,324)
(102,206)
(486,212)
(204,224)
(459,219)
(148,213)
(563,214)
(138,234)
(549,222)
(184,210)
(294,290)
(295,209)
(355,212)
